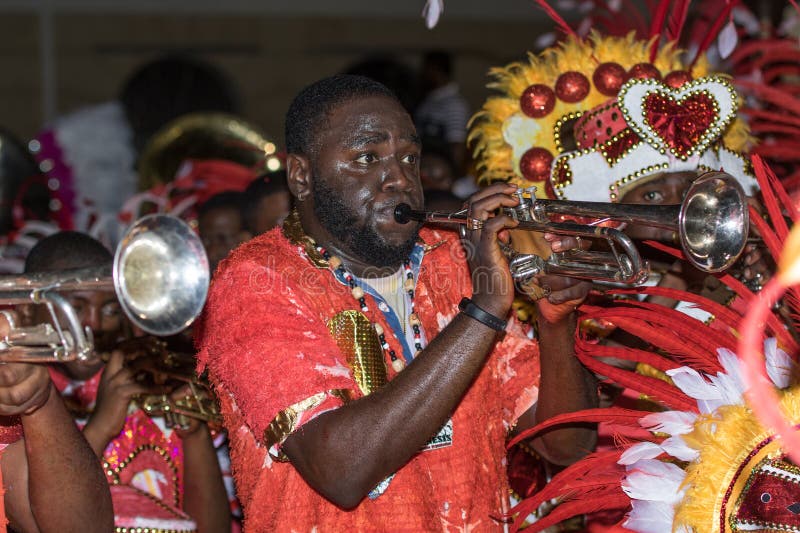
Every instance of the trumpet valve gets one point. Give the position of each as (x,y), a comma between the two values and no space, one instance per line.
(523,211)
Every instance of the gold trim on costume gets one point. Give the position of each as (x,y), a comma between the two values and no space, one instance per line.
(293,230)
(357,340)
(285,422)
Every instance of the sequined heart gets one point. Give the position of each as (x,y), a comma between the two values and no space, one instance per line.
(682,121)
(680,124)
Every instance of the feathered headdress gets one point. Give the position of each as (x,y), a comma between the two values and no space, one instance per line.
(591,117)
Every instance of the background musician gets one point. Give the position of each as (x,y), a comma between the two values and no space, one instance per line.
(143,458)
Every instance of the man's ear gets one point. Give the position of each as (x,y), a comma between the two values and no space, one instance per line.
(298,175)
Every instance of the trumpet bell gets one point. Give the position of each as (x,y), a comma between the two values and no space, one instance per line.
(161,274)
(713,222)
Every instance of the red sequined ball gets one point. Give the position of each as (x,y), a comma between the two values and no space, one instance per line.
(537,101)
(609,77)
(572,87)
(535,164)
(644,71)
(677,78)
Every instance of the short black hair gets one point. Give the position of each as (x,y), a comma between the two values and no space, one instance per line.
(67,250)
(223,200)
(261,187)
(310,109)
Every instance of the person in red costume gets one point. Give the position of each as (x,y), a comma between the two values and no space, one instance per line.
(367,373)
(161,478)
(44,458)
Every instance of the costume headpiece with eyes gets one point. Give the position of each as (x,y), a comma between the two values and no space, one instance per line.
(589,119)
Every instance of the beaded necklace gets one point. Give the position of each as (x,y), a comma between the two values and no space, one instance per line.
(357,292)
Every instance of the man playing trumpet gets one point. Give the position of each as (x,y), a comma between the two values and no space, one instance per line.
(359,394)
(162,478)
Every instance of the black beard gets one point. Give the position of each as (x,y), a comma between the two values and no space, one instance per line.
(360,239)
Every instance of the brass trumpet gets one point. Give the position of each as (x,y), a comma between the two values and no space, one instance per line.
(158,367)
(159,273)
(712,224)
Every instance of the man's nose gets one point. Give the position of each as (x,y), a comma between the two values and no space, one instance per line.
(396,177)
(92,319)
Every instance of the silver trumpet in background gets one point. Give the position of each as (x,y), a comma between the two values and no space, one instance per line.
(711,223)
(160,275)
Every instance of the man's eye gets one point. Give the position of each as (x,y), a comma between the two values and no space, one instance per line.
(366,158)
(411,158)
(653,196)
(111,311)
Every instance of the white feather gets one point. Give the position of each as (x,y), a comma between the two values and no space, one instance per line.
(692,383)
(727,39)
(432,11)
(637,452)
(780,366)
(654,480)
(677,447)
(670,422)
(650,517)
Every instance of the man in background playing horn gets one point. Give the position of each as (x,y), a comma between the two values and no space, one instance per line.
(162,478)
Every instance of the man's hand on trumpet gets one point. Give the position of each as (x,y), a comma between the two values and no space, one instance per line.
(116,390)
(24,387)
(562,294)
(493,287)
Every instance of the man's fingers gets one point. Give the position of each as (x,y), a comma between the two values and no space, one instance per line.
(495,224)
(562,243)
(496,188)
(484,208)
(114,365)
(574,293)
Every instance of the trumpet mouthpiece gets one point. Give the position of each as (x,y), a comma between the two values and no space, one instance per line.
(402,213)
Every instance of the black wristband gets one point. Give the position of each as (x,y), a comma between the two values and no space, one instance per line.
(469,308)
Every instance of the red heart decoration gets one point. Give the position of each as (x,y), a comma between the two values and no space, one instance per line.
(680,124)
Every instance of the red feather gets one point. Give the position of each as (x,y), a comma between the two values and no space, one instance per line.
(681,322)
(611,499)
(612,415)
(695,343)
(772,241)
(712,32)
(656,27)
(596,470)
(721,313)
(633,354)
(677,19)
(770,117)
(656,389)
(560,22)
(770,95)
(774,324)
(579,488)
(771,186)
(766,180)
